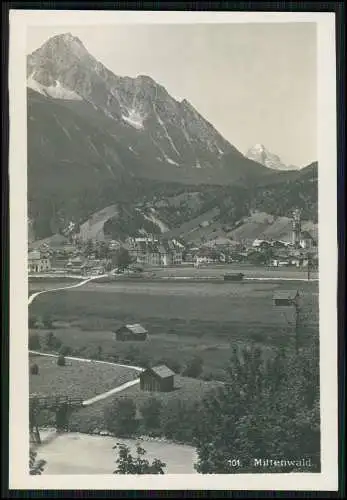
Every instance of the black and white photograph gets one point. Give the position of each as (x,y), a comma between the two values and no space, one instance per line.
(174,255)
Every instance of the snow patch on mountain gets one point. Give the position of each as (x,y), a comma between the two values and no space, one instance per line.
(161,123)
(135,119)
(170,160)
(56,92)
(261,155)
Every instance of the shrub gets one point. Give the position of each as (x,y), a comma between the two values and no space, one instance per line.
(265,410)
(127,464)
(34,369)
(179,419)
(120,417)
(32,321)
(65,350)
(150,411)
(34,343)
(52,342)
(193,368)
(36,467)
(47,322)
(61,360)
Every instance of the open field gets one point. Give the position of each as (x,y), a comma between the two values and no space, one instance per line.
(183,320)
(90,418)
(77,378)
(73,453)
(177,303)
(248,270)
(185,388)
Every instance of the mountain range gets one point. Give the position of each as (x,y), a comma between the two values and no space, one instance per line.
(96,139)
(260,154)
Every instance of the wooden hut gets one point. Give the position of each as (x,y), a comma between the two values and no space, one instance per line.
(159,379)
(286,298)
(131,332)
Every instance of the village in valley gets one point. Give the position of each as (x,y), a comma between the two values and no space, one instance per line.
(173,276)
(151,366)
(71,254)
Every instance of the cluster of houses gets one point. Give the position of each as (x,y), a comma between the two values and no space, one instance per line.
(153,252)
(57,254)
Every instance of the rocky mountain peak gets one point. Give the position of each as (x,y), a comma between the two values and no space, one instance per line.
(262,155)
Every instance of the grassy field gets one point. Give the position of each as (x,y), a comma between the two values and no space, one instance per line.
(92,417)
(183,320)
(77,378)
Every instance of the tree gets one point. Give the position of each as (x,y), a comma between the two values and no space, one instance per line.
(193,368)
(32,321)
(88,248)
(65,350)
(178,419)
(34,369)
(103,250)
(47,321)
(61,360)
(127,464)
(264,410)
(121,258)
(120,417)
(52,342)
(36,467)
(34,343)
(150,411)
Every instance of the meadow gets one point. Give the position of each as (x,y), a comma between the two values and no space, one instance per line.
(91,418)
(183,320)
(76,379)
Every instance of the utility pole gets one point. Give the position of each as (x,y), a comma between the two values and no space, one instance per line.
(309,268)
(297,325)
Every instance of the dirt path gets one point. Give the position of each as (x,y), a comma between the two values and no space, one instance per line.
(76,285)
(107,394)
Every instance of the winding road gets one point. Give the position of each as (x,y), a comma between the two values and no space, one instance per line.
(104,395)
(76,285)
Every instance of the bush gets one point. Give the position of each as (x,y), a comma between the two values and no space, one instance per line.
(265,410)
(65,350)
(120,417)
(32,321)
(34,343)
(47,322)
(193,368)
(150,411)
(34,369)
(52,342)
(127,464)
(61,360)
(178,420)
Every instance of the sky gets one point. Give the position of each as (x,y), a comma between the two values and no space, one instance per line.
(256,83)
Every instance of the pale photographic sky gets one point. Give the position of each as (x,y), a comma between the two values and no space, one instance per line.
(256,83)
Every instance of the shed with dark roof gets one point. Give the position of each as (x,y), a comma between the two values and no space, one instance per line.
(286,297)
(158,378)
(131,332)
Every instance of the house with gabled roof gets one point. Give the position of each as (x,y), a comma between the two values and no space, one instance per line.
(135,332)
(286,297)
(157,379)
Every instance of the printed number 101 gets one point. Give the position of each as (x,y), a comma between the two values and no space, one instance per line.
(235,462)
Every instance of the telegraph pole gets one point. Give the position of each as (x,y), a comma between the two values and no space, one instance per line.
(308,268)
(297,325)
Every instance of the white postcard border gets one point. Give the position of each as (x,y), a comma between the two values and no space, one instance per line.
(327,158)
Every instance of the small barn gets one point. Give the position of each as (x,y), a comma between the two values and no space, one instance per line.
(286,297)
(131,332)
(159,379)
